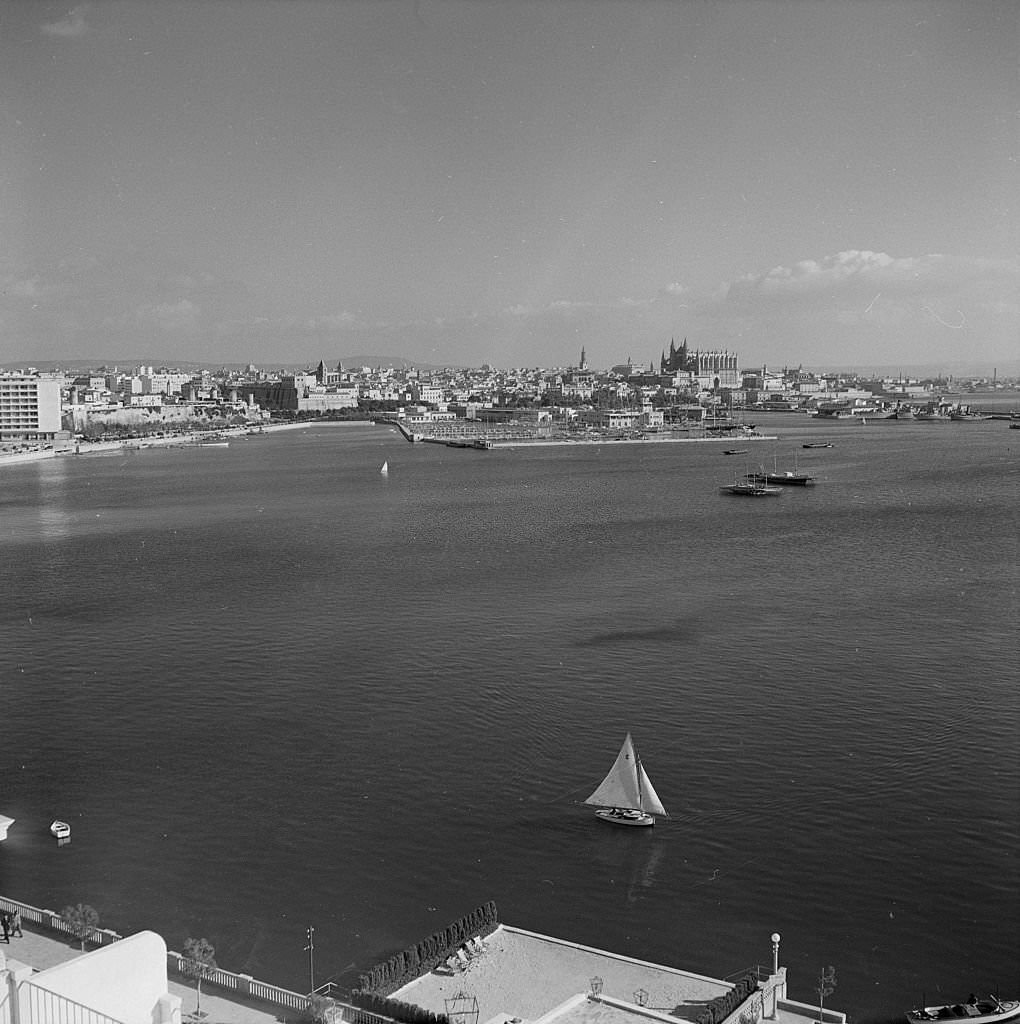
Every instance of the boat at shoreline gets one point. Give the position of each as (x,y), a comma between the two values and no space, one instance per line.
(626,796)
(752,488)
(964,415)
(976,1011)
(786,478)
(934,412)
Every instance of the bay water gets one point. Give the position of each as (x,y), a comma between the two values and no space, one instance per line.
(270,688)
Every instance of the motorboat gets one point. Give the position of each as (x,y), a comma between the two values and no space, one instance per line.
(786,478)
(781,478)
(975,1011)
(61,829)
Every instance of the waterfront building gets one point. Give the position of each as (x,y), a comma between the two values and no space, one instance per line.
(29,407)
(301,392)
(710,371)
(514,975)
(124,982)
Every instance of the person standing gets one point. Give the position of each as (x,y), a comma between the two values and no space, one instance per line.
(16,923)
(6,926)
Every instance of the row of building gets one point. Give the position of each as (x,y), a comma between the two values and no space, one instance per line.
(40,407)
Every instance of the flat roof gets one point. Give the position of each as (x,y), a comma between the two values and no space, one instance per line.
(524,975)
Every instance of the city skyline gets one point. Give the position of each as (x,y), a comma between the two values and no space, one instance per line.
(463,183)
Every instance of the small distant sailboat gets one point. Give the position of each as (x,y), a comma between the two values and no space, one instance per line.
(385,469)
(626,796)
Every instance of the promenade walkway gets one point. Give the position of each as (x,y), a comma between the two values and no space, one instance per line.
(42,949)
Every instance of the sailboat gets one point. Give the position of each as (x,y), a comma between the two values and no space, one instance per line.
(625,796)
(385,469)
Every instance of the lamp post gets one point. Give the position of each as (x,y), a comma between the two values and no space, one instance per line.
(775,952)
(311,957)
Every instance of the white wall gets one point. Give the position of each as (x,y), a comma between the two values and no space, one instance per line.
(124,980)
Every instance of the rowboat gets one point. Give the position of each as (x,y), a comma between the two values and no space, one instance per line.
(992,1010)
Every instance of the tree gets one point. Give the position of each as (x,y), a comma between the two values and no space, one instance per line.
(80,919)
(199,962)
(320,1009)
(826,985)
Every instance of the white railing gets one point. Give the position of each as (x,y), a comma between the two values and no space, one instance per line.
(280,996)
(242,984)
(45,1007)
(52,920)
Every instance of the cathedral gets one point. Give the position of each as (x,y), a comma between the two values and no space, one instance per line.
(711,371)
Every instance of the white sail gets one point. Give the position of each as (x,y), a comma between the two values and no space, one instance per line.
(627,784)
(385,469)
(650,802)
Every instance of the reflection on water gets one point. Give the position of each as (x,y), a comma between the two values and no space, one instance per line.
(54,507)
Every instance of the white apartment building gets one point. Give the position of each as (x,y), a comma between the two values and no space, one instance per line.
(29,407)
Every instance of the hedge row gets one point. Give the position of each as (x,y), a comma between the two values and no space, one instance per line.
(408,1013)
(722,1006)
(422,957)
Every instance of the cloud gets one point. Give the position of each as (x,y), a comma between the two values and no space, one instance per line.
(167,316)
(565,307)
(860,286)
(22,287)
(854,267)
(69,27)
(332,321)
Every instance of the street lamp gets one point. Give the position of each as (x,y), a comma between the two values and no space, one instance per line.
(775,952)
(310,948)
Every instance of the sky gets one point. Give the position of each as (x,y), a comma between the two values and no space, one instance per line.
(462,182)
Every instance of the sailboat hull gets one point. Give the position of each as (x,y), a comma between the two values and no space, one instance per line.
(632,819)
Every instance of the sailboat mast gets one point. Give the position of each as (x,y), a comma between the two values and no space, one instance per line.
(637,772)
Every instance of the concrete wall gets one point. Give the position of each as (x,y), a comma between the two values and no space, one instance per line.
(126,981)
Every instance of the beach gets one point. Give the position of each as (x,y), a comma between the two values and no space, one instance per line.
(15,454)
